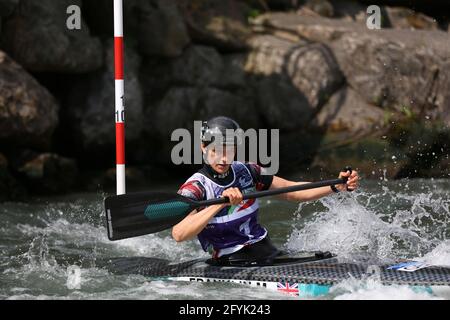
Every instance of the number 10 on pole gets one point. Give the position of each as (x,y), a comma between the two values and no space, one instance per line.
(119,96)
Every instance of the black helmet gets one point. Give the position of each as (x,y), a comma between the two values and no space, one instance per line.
(218,126)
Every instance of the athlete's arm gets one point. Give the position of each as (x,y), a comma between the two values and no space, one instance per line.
(312,194)
(195,222)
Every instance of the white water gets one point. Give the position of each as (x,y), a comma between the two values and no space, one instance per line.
(40,241)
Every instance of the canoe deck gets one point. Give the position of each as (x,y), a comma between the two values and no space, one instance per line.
(324,271)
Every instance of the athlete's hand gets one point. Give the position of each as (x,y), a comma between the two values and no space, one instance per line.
(352,182)
(234,194)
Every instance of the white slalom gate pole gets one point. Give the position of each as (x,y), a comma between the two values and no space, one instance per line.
(120,91)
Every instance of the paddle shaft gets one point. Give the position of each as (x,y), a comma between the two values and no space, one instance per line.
(259,194)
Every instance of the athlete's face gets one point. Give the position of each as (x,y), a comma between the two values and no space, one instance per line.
(219,157)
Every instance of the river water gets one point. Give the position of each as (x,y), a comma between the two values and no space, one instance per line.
(42,240)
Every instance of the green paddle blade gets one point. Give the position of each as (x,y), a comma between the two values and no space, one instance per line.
(137,214)
(166,210)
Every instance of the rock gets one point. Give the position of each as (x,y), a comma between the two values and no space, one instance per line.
(50,172)
(10,189)
(199,66)
(155,26)
(273,5)
(392,17)
(314,71)
(404,18)
(399,70)
(3,162)
(349,10)
(7,7)
(268,55)
(189,104)
(185,105)
(104,27)
(386,67)
(425,147)
(221,24)
(234,78)
(4,178)
(281,105)
(195,86)
(160,29)
(316,29)
(37,37)
(321,7)
(28,112)
(108,179)
(89,113)
(347,117)
(295,79)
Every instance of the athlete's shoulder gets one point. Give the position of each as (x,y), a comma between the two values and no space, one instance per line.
(255,168)
(193,189)
(262,180)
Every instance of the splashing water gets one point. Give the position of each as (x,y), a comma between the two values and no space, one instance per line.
(41,241)
(383,227)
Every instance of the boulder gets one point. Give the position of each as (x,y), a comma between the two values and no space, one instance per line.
(312,28)
(159,27)
(386,67)
(322,8)
(349,10)
(281,105)
(10,189)
(399,70)
(273,5)
(199,66)
(28,112)
(89,114)
(217,23)
(7,7)
(37,37)
(405,18)
(293,79)
(50,173)
(156,27)
(181,106)
(347,117)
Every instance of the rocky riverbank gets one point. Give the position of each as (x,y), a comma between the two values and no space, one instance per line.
(339,92)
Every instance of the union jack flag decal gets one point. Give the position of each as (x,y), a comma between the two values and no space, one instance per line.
(290,289)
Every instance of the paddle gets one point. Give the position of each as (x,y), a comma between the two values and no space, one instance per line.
(136,214)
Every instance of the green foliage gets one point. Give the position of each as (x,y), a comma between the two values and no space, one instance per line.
(387,117)
(253,13)
(408,112)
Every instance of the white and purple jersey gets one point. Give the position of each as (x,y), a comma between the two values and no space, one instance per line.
(233,227)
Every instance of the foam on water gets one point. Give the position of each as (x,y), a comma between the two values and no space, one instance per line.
(41,242)
(410,226)
(381,228)
(373,290)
